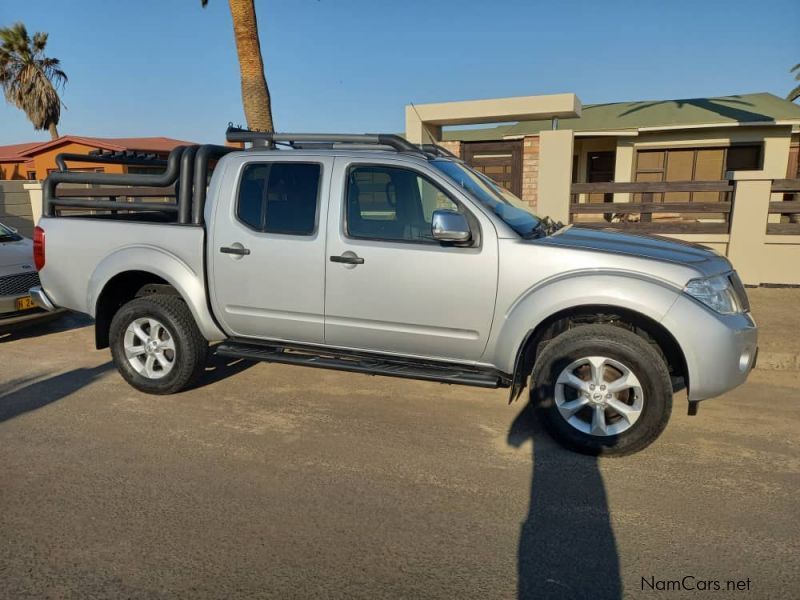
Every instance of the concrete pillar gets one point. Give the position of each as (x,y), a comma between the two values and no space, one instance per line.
(555,174)
(776,153)
(418,132)
(749,226)
(34,189)
(623,167)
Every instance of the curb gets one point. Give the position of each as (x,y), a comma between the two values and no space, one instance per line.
(778,361)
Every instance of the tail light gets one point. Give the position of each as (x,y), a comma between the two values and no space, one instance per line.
(38,248)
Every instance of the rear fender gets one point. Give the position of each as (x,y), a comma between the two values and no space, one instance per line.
(150,259)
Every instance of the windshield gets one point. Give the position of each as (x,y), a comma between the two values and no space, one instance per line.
(503,203)
(7,234)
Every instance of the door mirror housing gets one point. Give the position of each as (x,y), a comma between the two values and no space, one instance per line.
(450,226)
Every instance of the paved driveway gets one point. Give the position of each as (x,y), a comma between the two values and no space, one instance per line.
(285,482)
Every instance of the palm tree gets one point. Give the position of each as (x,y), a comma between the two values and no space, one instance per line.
(795,93)
(255,93)
(30,80)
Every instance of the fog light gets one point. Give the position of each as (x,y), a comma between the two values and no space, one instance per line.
(744,361)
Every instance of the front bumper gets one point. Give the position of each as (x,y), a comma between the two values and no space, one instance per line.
(720,350)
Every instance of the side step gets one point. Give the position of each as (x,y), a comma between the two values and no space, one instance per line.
(357,362)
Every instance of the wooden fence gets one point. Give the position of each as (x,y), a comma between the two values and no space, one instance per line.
(788,208)
(651,214)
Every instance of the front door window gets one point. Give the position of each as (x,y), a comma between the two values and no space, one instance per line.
(393,204)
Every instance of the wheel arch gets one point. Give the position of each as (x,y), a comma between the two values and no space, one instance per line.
(639,323)
(125,273)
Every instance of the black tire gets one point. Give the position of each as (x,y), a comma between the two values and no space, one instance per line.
(190,352)
(620,345)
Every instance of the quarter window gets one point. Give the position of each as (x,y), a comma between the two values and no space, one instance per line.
(390,203)
(279,197)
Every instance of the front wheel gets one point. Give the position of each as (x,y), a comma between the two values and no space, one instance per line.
(601,389)
(156,345)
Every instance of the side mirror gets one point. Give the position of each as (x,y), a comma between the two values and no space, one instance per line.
(450,226)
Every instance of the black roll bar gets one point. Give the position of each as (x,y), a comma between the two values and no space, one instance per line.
(205,153)
(185,185)
(114,205)
(167,178)
(117,158)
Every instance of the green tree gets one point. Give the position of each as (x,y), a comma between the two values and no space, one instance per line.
(795,93)
(31,80)
(255,93)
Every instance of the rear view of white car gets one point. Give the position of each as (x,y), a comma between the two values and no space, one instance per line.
(17,276)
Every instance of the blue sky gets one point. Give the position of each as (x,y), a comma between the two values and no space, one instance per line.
(168,67)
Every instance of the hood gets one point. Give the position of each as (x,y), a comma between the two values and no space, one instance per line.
(641,246)
(17,254)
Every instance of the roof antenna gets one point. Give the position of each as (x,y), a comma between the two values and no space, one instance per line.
(428,131)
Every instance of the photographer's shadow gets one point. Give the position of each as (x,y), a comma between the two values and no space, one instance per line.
(566,545)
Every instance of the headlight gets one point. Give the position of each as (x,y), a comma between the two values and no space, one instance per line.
(715,292)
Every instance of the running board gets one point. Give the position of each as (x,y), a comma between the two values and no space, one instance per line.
(359,362)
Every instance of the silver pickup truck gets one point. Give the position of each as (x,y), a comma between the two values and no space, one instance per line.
(366,253)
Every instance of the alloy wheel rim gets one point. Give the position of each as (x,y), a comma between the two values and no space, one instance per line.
(149,348)
(599,396)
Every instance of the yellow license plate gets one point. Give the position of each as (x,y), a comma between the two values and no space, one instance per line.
(25,303)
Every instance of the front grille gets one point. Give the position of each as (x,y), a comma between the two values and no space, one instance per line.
(17,285)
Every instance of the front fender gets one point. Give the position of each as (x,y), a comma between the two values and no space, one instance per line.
(151,259)
(646,295)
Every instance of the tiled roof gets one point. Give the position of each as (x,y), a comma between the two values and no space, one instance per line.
(144,144)
(693,112)
(16,150)
(147,144)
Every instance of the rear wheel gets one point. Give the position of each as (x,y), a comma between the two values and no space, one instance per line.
(156,345)
(601,389)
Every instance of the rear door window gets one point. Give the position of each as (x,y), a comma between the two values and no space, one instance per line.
(279,197)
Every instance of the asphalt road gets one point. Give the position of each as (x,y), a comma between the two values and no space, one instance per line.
(286,482)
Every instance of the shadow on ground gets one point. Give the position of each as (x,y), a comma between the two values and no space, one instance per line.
(566,546)
(22,395)
(43,325)
(25,394)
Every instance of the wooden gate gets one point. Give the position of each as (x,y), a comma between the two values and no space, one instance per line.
(501,161)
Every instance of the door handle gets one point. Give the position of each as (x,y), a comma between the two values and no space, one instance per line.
(235,250)
(348,260)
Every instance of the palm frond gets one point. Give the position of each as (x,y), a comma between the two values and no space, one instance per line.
(29,79)
(794,94)
(39,42)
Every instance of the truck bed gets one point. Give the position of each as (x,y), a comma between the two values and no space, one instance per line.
(89,247)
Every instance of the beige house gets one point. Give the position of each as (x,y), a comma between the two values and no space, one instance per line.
(698,139)
(718,171)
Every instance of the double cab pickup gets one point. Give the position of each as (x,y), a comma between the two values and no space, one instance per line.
(369,254)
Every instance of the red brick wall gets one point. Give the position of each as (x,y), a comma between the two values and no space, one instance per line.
(454,147)
(530,170)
